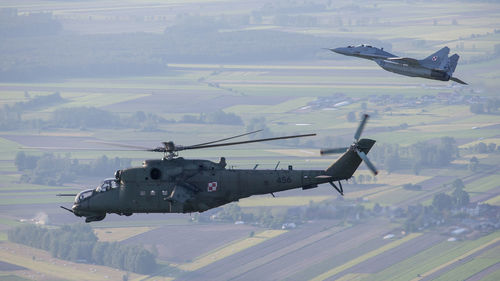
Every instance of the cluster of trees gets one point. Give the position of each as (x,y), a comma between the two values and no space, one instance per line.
(440,212)
(37,102)
(73,55)
(11,115)
(444,209)
(482,147)
(84,117)
(416,156)
(361,178)
(191,39)
(73,117)
(217,117)
(489,107)
(410,186)
(78,243)
(34,24)
(92,117)
(329,209)
(50,169)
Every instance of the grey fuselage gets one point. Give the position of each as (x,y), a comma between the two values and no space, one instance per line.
(413,71)
(390,62)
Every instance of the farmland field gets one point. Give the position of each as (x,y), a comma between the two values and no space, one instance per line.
(273,74)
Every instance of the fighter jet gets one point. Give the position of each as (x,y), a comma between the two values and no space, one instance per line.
(437,66)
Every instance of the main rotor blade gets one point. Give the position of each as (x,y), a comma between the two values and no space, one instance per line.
(66,194)
(243,142)
(361,127)
(245,134)
(121,145)
(370,165)
(333,150)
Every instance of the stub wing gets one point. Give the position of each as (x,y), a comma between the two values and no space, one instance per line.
(408,61)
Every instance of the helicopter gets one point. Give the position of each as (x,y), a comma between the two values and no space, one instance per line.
(177,185)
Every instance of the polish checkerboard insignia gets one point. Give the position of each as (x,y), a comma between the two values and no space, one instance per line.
(434,58)
(212,186)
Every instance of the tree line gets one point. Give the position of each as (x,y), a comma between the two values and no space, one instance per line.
(217,117)
(490,106)
(328,209)
(33,24)
(440,211)
(11,117)
(445,209)
(50,169)
(416,156)
(78,243)
(482,147)
(192,38)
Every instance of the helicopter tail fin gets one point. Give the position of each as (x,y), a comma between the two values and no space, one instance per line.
(348,163)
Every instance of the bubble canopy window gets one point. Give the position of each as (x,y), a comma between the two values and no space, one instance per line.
(108,184)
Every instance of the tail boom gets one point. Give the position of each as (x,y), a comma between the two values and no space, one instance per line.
(348,163)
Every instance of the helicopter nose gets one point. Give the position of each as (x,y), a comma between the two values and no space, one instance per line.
(75,208)
(79,208)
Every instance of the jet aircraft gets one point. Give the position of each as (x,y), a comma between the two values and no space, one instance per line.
(437,66)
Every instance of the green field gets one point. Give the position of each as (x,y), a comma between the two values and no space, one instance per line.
(431,258)
(230,249)
(364,257)
(281,91)
(281,201)
(43,263)
(484,184)
(10,277)
(468,269)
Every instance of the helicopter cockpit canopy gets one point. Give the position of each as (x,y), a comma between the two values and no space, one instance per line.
(108,184)
(83,195)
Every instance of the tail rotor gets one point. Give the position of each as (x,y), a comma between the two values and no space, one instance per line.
(357,146)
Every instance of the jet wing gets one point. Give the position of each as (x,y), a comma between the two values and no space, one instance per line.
(374,56)
(408,61)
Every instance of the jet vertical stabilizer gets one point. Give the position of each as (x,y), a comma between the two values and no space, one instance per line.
(452,64)
(450,68)
(437,60)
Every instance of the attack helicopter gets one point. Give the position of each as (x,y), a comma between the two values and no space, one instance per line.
(177,185)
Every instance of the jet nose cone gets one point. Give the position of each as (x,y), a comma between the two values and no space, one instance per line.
(342,51)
